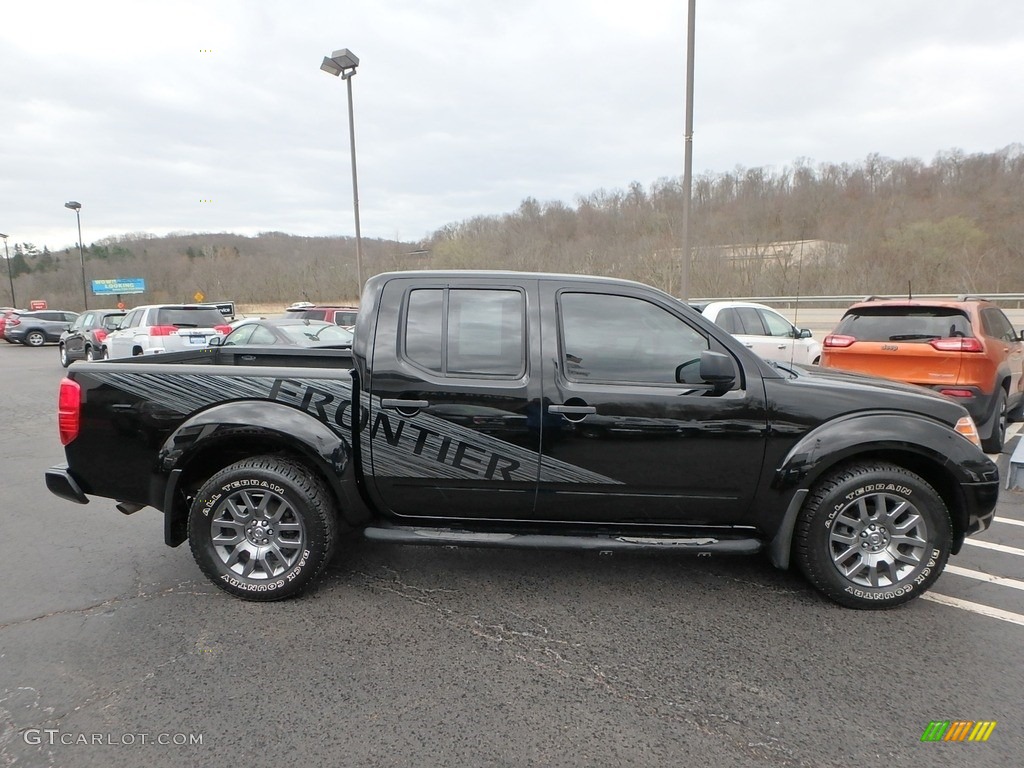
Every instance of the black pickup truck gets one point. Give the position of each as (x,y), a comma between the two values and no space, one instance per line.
(506,409)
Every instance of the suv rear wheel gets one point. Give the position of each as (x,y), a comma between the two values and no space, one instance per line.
(35,338)
(64,356)
(873,535)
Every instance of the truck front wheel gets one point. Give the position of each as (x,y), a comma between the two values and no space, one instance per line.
(873,535)
(263,528)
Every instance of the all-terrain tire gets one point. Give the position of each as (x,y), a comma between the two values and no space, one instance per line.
(263,528)
(872,535)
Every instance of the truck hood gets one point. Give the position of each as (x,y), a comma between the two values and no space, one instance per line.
(846,392)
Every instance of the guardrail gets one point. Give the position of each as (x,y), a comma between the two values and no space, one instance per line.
(1012,300)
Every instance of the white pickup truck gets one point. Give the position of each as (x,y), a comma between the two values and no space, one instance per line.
(764,331)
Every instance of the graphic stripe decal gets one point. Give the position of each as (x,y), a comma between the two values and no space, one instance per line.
(418,446)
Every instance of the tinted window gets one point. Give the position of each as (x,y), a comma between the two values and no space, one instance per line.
(345,318)
(199,317)
(310,314)
(904,324)
(750,321)
(728,321)
(621,339)
(423,328)
(467,331)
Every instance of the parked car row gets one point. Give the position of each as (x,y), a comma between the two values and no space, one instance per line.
(966,349)
(158,328)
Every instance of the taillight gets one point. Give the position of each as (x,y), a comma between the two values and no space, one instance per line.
(836,340)
(952,392)
(100,334)
(69,408)
(223,329)
(957,344)
(162,330)
(14,321)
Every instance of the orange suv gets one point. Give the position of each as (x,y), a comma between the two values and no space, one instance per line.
(965,349)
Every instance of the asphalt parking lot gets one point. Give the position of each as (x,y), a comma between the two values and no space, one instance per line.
(116,651)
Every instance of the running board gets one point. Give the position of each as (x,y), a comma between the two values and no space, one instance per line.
(603,543)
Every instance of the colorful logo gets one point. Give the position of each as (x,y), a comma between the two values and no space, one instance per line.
(958,730)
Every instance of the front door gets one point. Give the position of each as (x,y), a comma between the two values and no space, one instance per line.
(453,426)
(625,403)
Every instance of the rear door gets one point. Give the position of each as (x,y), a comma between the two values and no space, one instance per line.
(74,344)
(453,416)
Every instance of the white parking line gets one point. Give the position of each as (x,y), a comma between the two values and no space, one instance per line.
(1002,581)
(983,610)
(1009,521)
(997,547)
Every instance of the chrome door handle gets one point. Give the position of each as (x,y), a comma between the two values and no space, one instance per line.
(580,410)
(404,405)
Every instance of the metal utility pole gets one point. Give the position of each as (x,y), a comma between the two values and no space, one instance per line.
(684,272)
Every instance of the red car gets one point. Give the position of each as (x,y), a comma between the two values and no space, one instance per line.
(6,312)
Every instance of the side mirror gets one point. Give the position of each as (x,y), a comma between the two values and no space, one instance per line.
(805,333)
(717,368)
(216,341)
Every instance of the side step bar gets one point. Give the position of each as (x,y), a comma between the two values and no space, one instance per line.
(604,543)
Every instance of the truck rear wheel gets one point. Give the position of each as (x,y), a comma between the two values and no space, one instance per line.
(873,535)
(263,528)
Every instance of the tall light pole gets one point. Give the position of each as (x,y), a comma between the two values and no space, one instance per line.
(76,207)
(14,302)
(343,62)
(684,280)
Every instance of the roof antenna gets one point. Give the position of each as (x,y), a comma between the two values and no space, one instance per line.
(910,292)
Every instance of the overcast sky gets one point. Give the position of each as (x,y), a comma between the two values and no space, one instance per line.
(213,116)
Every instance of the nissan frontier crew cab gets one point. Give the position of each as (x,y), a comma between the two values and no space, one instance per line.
(505,409)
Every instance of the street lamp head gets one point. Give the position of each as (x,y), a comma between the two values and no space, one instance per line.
(3,235)
(73,205)
(340,61)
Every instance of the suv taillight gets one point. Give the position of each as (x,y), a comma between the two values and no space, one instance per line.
(837,340)
(957,344)
(13,321)
(69,407)
(222,329)
(162,330)
(100,334)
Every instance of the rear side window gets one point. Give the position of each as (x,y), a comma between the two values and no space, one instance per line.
(200,317)
(997,325)
(345,318)
(466,332)
(908,324)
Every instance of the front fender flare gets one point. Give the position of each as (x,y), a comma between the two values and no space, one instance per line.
(924,441)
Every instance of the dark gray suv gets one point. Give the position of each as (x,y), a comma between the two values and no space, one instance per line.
(38,327)
(84,339)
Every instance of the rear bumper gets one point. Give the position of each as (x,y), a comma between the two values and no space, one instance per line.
(60,482)
(979,404)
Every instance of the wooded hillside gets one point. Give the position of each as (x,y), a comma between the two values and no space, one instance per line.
(953,225)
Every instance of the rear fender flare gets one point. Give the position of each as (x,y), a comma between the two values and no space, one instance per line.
(264,424)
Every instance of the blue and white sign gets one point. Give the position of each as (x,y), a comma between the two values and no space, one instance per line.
(118,285)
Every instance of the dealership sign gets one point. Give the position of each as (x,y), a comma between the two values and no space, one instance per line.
(119,285)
